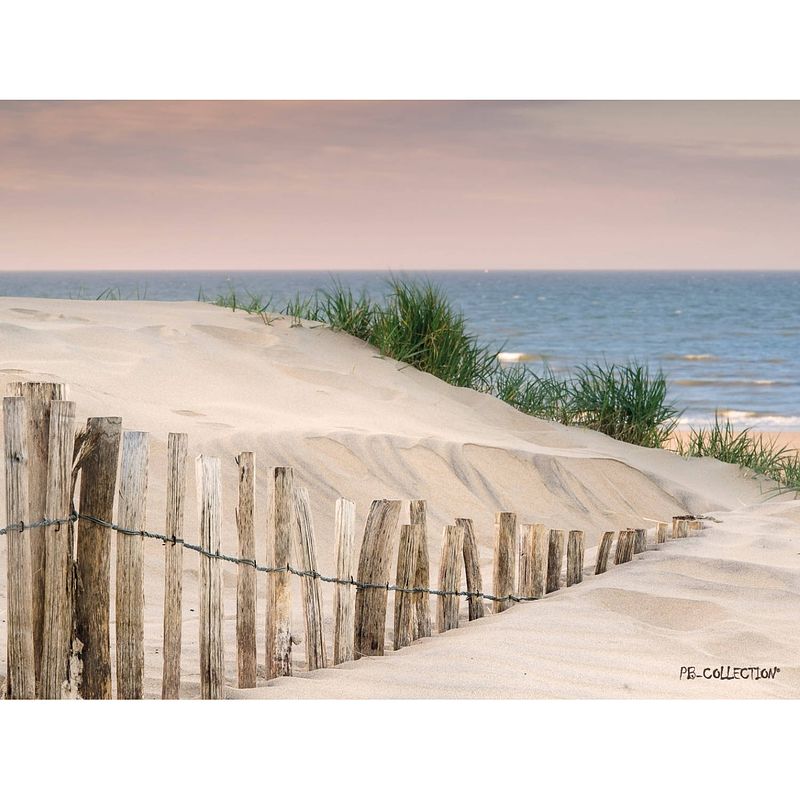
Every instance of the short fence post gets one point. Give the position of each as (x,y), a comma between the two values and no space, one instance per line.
(675,522)
(422,600)
(21,681)
(309,584)
(683,528)
(130,566)
(246,658)
(406,570)
(344,594)
(280,524)
(449,573)
(639,541)
(555,556)
(38,397)
(374,567)
(661,532)
(602,552)
(92,601)
(177,450)
(472,568)
(540,545)
(212,654)
(505,551)
(695,525)
(57,506)
(630,539)
(575,550)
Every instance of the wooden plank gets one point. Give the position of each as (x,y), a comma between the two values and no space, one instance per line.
(21,676)
(555,555)
(661,532)
(472,568)
(280,525)
(374,565)
(540,546)
(418,512)
(130,566)
(575,551)
(344,596)
(505,550)
(602,552)
(177,452)
(209,513)
(92,601)
(639,541)
(449,574)
(38,397)
(247,659)
(305,548)
(524,583)
(406,571)
(55,652)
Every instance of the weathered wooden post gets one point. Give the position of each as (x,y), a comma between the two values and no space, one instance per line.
(695,525)
(177,451)
(602,552)
(661,532)
(539,555)
(21,680)
(374,565)
(554,558)
(309,584)
(130,566)
(406,570)
(344,594)
(630,538)
(575,550)
(280,524)
(56,555)
(418,511)
(246,659)
(472,568)
(38,397)
(675,521)
(209,513)
(683,528)
(449,573)
(505,551)
(525,574)
(92,601)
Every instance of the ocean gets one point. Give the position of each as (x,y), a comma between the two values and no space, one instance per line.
(727,341)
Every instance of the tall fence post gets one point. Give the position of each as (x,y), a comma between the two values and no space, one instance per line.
(344,594)
(56,600)
(38,397)
(505,550)
(449,573)
(177,452)
(554,558)
(575,550)
(21,680)
(280,522)
(212,654)
(92,602)
(602,553)
(130,566)
(309,584)
(374,567)
(540,547)
(524,587)
(406,570)
(246,574)
(472,569)
(661,532)
(418,512)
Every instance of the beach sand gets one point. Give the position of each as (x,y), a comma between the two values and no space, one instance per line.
(356,425)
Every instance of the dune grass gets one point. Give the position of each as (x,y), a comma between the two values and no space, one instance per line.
(749,450)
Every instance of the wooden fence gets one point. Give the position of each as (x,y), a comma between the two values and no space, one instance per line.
(59,571)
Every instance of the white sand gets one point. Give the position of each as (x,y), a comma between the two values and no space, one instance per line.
(356,425)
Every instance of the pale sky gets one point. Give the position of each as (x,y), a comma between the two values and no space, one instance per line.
(401,185)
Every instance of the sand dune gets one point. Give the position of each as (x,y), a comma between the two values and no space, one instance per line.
(356,425)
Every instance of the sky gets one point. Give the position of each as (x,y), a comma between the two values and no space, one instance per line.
(399,185)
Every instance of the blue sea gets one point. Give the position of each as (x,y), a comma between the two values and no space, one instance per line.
(727,341)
